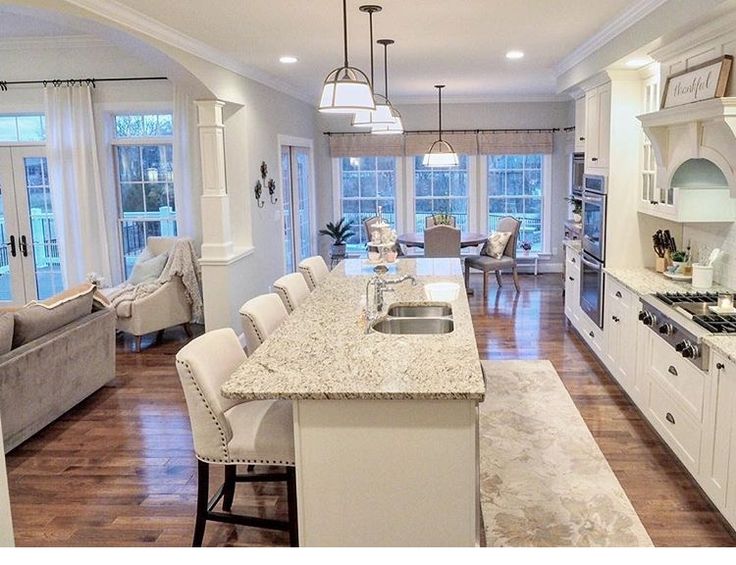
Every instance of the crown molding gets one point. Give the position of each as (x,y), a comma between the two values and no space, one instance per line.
(612,29)
(133,19)
(481,99)
(51,42)
(709,31)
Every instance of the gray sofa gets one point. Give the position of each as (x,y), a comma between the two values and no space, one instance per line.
(43,379)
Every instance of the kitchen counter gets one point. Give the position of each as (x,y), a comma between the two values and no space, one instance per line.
(647,281)
(724,344)
(574,244)
(323,351)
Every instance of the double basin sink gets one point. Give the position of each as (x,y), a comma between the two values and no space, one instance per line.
(416,319)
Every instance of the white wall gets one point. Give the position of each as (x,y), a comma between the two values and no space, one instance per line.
(500,115)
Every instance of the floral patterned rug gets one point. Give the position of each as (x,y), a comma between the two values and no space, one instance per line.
(544,481)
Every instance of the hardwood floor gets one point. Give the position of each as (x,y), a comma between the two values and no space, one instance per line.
(119,468)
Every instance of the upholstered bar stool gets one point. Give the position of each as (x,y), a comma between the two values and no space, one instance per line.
(315,270)
(230,432)
(292,289)
(260,316)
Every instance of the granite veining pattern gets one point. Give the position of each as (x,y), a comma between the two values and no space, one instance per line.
(647,281)
(322,351)
(723,344)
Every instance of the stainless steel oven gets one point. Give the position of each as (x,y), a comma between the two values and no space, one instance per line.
(594,216)
(591,288)
(577,173)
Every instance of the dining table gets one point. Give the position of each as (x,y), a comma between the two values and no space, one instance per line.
(467,239)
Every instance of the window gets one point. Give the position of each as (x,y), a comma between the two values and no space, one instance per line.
(515,188)
(22,128)
(365,184)
(145,178)
(441,191)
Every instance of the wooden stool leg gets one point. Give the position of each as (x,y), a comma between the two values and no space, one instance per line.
(228,492)
(485,284)
(138,343)
(203,487)
(291,497)
(516,278)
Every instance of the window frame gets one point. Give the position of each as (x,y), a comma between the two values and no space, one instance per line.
(546,199)
(399,205)
(28,143)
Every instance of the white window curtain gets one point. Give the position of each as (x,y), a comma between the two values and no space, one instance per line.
(187,176)
(74,177)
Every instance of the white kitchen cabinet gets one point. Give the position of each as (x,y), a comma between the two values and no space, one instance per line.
(580,125)
(572,286)
(620,320)
(598,128)
(719,449)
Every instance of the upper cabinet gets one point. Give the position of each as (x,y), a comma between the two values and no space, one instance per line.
(598,128)
(580,125)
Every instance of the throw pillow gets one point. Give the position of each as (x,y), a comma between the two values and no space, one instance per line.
(36,319)
(496,244)
(148,270)
(7,322)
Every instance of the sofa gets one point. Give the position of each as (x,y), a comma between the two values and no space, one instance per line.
(43,376)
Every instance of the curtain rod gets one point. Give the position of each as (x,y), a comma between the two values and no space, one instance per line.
(72,81)
(451,131)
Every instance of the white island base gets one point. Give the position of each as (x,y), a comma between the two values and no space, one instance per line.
(387,472)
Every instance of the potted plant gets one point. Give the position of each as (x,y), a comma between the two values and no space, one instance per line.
(340,232)
(526,247)
(577,208)
(443,219)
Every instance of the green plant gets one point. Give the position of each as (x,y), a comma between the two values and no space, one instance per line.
(679,256)
(443,220)
(340,232)
(576,203)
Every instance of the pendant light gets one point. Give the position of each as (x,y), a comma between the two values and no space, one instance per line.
(441,153)
(366,118)
(389,122)
(346,89)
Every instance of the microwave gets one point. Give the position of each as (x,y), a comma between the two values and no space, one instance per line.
(577,172)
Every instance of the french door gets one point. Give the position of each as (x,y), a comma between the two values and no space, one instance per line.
(30,266)
(296,198)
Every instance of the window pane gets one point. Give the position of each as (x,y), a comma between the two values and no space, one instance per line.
(514,161)
(150,125)
(129,163)
(350,185)
(514,183)
(496,183)
(368,185)
(7,129)
(132,197)
(441,190)
(533,183)
(165,125)
(30,128)
(143,125)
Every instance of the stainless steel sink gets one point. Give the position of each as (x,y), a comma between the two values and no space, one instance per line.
(430,310)
(413,326)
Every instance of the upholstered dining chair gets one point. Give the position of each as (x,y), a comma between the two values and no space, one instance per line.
(230,432)
(314,269)
(431,221)
(260,316)
(442,241)
(292,289)
(484,262)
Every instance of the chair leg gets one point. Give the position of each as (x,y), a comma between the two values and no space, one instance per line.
(291,498)
(498,278)
(203,487)
(159,336)
(188,329)
(138,343)
(228,492)
(516,278)
(467,276)
(485,284)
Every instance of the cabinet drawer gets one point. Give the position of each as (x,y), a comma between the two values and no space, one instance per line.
(681,432)
(572,258)
(678,377)
(616,292)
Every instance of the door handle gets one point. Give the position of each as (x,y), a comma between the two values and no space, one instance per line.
(594,159)
(672,370)
(11,244)
(670,418)
(23,246)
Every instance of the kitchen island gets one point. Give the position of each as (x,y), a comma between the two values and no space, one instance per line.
(385,426)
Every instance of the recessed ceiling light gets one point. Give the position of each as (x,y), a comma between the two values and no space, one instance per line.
(638,62)
(514,54)
(288,59)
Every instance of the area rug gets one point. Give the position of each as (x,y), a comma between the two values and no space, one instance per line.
(544,481)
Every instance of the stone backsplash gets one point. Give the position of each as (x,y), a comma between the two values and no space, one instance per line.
(706,237)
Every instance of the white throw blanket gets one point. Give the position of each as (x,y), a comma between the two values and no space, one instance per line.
(182,262)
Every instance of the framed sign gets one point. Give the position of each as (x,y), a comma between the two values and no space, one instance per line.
(703,82)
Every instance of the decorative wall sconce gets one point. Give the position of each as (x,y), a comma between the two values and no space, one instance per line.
(259,191)
(272,190)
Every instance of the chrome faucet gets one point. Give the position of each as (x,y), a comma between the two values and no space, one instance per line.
(381,286)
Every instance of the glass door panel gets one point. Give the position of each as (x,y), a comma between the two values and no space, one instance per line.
(296,181)
(11,268)
(289,257)
(303,172)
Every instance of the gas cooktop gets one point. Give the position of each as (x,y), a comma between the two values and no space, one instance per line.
(695,306)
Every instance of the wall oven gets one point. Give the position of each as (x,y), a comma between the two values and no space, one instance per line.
(594,247)
(576,174)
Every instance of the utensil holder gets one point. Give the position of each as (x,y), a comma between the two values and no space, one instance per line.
(660,265)
(702,276)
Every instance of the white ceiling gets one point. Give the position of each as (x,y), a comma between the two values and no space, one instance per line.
(460,43)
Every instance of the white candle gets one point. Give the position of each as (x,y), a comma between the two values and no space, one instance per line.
(725,301)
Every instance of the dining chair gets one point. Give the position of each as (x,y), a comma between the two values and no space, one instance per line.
(485,263)
(431,221)
(231,433)
(260,316)
(442,241)
(314,269)
(292,289)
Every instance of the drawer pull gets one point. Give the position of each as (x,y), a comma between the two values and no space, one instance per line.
(720,366)
(594,159)
(672,370)
(573,260)
(618,294)
(592,335)
(670,418)
(571,278)
(616,319)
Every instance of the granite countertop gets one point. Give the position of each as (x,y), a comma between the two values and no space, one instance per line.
(574,244)
(724,344)
(322,351)
(647,281)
